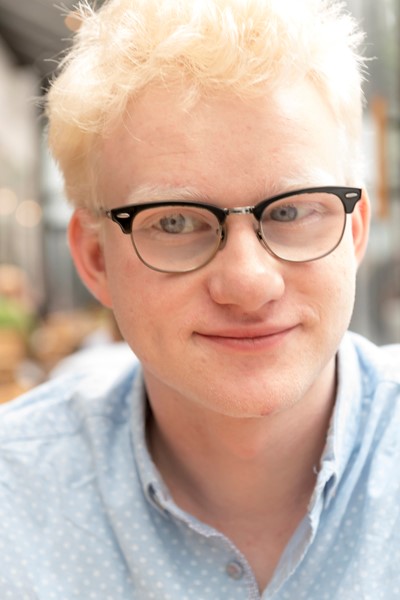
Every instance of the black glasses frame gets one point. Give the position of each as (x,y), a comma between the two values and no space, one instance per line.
(124,215)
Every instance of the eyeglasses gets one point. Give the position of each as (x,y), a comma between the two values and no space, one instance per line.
(176,236)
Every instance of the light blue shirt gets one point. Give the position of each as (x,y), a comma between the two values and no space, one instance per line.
(84,513)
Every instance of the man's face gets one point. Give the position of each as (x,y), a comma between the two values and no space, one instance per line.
(246,335)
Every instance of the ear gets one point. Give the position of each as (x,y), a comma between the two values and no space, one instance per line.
(360,226)
(84,237)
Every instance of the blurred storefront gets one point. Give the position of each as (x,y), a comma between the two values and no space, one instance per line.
(60,314)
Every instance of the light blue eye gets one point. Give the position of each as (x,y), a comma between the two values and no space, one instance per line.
(287,212)
(173,223)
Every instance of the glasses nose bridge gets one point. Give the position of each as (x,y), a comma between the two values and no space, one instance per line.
(240,210)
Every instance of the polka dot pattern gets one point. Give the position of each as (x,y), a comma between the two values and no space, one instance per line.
(85,515)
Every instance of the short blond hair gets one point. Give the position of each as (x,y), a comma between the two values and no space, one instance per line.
(243,47)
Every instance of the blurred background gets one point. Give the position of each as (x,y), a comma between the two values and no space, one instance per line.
(45,312)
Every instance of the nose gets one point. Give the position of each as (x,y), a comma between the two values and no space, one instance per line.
(244,274)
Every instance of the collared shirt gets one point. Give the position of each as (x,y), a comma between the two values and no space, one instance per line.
(84,513)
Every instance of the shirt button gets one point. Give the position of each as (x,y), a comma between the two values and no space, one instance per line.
(234,569)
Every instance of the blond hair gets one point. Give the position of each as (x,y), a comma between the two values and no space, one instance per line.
(243,47)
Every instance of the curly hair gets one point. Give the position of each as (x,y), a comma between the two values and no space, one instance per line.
(241,47)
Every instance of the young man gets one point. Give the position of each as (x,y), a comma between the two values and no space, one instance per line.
(211,150)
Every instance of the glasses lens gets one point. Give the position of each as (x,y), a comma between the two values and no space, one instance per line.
(176,239)
(303,227)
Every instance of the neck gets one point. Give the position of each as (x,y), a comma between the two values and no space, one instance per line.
(260,464)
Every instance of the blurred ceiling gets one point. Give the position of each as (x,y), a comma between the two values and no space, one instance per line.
(35,32)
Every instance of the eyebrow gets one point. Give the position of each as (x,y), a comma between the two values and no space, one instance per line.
(311,177)
(165,192)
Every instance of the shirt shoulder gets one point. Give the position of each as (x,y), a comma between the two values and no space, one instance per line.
(366,420)
(378,417)
(61,418)
(377,364)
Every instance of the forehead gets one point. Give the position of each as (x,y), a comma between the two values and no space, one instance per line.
(268,143)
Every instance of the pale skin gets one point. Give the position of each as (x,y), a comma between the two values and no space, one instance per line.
(239,356)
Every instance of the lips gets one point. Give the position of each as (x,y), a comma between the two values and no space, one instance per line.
(247,338)
(249,332)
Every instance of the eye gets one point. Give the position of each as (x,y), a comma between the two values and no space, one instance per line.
(169,223)
(180,223)
(298,212)
(286,212)
(173,223)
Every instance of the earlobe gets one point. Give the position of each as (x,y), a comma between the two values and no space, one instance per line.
(360,226)
(84,236)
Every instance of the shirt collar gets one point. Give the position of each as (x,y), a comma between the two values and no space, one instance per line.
(153,486)
(343,433)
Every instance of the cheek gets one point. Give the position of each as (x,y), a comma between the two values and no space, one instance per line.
(127,287)
(336,289)
(147,305)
